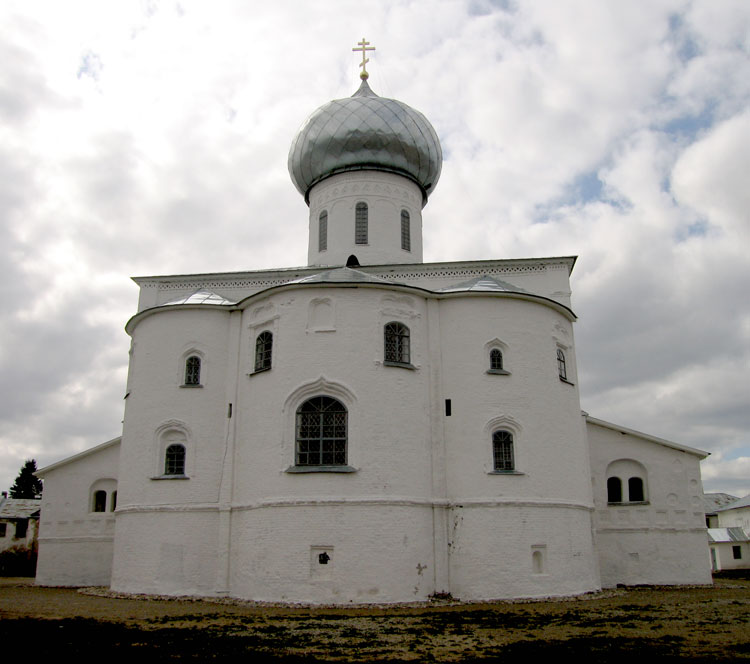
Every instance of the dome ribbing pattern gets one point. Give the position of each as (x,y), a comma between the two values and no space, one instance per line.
(365,132)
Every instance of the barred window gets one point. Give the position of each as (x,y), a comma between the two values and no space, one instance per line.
(193,370)
(396,337)
(174,460)
(496,359)
(405,231)
(561,369)
(263,349)
(100,501)
(502,450)
(323,231)
(321,432)
(360,223)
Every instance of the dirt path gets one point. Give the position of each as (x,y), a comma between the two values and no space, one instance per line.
(698,624)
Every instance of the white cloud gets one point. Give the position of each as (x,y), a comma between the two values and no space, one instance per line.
(152,138)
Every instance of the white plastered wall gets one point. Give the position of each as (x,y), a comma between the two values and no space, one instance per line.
(661,540)
(76,543)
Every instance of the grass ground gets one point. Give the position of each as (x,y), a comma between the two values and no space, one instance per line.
(689,624)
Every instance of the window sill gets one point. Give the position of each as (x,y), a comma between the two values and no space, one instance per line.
(259,371)
(401,365)
(498,372)
(505,472)
(629,502)
(191,387)
(320,469)
(565,380)
(170,477)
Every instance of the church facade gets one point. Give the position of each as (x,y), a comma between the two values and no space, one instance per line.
(369,428)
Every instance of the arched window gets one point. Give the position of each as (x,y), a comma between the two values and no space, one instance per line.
(113,502)
(323,231)
(321,432)
(502,450)
(174,460)
(263,349)
(100,501)
(396,337)
(360,223)
(405,231)
(635,490)
(614,490)
(561,369)
(193,370)
(496,359)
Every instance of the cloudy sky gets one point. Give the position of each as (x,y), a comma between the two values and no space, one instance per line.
(142,138)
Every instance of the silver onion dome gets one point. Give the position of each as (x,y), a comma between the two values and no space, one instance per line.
(365,132)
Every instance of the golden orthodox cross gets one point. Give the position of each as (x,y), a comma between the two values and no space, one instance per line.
(364,46)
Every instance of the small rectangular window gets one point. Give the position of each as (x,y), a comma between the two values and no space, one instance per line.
(405,231)
(323,231)
(447,407)
(360,223)
(21,528)
(737,552)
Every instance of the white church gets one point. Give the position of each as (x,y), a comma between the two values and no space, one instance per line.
(369,428)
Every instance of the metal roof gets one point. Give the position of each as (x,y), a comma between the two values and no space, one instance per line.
(741,502)
(200,297)
(19,508)
(713,501)
(727,535)
(341,275)
(483,283)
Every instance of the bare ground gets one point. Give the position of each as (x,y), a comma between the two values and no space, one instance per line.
(694,624)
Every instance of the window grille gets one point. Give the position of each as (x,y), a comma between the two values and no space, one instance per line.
(174,460)
(321,433)
(360,224)
(502,450)
(263,349)
(193,370)
(323,231)
(561,369)
(405,231)
(396,343)
(496,359)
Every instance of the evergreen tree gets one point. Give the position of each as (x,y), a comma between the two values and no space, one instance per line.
(27,485)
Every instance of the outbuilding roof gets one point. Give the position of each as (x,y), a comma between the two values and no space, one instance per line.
(735,534)
(19,508)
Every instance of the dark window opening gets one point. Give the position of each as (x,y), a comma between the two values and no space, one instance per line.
(737,552)
(100,501)
(447,407)
(113,502)
(22,526)
(635,490)
(496,359)
(614,490)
